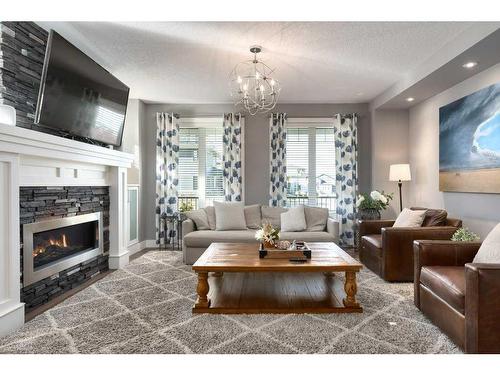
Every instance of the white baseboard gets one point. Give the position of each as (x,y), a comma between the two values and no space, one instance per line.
(146,244)
(135,248)
(118,261)
(11,317)
(151,243)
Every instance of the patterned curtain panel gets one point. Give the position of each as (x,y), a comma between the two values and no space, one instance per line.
(167,160)
(277,159)
(346,186)
(231,143)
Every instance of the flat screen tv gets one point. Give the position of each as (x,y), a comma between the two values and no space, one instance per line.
(78,96)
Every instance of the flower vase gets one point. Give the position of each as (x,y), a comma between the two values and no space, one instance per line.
(267,245)
(369,214)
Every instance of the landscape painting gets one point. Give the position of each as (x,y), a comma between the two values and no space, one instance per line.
(469,143)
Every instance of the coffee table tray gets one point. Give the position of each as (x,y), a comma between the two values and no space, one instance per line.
(270,253)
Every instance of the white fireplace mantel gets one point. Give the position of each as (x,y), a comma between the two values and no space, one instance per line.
(31,158)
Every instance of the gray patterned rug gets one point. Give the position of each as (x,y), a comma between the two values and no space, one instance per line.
(146,308)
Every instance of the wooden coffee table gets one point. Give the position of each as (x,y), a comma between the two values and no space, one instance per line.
(241,283)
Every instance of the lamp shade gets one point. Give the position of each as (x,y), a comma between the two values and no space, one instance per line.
(7,115)
(400,172)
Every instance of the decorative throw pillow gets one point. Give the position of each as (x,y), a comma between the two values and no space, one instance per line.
(272,216)
(200,219)
(229,216)
(252,216)
(210,210)
(316,218)
(410,218)
(433,217)
(294,220)
(489,252)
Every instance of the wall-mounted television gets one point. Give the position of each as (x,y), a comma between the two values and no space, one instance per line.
(78,96)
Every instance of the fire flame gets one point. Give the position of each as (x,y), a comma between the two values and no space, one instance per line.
(60,242)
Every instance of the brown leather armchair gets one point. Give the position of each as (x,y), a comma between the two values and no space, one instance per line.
(460,297)
(388,251)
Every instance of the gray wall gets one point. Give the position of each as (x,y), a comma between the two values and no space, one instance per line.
(480,212)
(389,146)
(256,147)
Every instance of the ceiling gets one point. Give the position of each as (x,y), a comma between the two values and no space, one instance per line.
(485,53)
(322,62)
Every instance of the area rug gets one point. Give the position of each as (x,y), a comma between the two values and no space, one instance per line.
(146,308)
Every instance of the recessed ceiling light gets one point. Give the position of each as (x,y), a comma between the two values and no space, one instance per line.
(410,99)
(470,64)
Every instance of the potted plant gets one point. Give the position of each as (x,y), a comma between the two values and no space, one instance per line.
(370,205)
(464,235)
(185,207)
(268,235)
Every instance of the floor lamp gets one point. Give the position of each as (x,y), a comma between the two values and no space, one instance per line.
(400,173)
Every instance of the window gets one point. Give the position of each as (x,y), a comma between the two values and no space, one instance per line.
(214,184)
(310,165)
(297,163)
(200,164)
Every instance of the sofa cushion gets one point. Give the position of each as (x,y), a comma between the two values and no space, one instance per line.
(307,236)
(446,282)
(210,210)
(229,216)
(433,217)
(294,220)
(410,218)
(253,217)
(203,238)
(200,219)
(272,215)
(316,218)
(489,252)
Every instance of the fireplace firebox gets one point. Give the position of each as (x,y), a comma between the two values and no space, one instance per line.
(55,245)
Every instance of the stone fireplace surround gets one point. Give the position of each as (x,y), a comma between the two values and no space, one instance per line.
(38,204)
(30,159)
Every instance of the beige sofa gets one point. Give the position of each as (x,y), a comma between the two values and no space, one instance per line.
(320,228)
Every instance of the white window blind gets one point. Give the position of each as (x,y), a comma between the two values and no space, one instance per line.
(325,162)
(311,166)
(214,184)
(188,161)
(200,165)
(297,161)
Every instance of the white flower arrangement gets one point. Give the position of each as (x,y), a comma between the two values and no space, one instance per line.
(377,200)
(267,233)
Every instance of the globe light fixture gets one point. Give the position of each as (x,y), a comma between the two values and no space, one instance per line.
(252,85)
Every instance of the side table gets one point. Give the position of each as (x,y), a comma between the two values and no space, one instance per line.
(169,222)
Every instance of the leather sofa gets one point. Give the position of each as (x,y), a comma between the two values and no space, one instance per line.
(388,251)
(460,297)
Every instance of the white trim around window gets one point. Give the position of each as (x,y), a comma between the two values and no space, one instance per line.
(216,122)
(205,122)
(304,122)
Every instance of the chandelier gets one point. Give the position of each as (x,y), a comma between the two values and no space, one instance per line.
(252,85)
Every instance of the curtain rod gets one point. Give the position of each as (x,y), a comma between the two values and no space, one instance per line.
(176,115)
(205,115)
(324,116)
